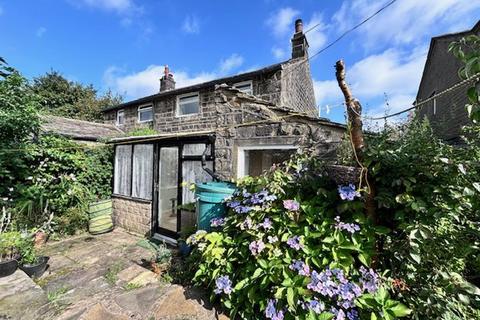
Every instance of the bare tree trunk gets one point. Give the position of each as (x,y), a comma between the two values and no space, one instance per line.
(354,113)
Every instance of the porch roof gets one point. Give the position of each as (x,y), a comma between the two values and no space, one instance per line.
(163,136)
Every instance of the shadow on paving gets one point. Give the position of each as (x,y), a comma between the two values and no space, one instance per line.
(99,277)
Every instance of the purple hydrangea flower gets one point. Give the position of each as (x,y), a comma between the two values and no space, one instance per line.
(291,205)
(224,285)
(233,204)
(243,209)
(301,267)
(256,247)
(314,305)
(339,314)
(247,224)
(370,280)
(294,243)
(217,222)
(348,192)
(350,227)
(272,239)
(353,315)
(271,311)
(266,224)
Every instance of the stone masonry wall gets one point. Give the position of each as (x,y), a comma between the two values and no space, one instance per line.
(132,215)
(297,87)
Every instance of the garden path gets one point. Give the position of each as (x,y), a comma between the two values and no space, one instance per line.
(99,277)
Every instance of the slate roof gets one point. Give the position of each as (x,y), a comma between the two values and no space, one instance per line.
(196,87)
(78,129)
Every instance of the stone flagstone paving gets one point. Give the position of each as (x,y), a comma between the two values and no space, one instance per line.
(97,278)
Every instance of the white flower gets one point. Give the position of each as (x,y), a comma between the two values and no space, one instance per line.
(10,189)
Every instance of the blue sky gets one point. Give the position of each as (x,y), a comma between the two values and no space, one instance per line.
(123,44)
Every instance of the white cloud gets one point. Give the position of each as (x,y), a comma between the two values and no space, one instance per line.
(281,21)
(279,53)
(191,25)
(405,22)
(120,6)
(316,36)
(40,32)
(392,72)
(231,63)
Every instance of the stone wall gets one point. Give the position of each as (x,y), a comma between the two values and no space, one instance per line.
(297,87)
(132,215)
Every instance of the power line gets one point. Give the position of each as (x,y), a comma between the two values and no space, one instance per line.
(474,78)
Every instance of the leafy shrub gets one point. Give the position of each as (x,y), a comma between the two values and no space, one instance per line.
(428,194)
(291,248)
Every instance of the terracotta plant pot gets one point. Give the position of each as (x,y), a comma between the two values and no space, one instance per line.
(40,238)
(36,270)
(8,267)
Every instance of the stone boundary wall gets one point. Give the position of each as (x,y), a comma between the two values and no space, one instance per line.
(132,215)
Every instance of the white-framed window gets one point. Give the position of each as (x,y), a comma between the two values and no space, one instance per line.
(145,113)
(188,104)
(120,117)
(244,86)
(253,160)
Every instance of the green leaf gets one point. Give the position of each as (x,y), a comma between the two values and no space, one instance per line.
(416,257)
(291,297)
(262,263)
(400,310)
(373,316)
(325,316)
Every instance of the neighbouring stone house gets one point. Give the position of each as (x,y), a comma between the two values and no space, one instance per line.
(447,113)
(233,126)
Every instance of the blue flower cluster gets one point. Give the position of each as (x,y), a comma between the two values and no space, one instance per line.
(223,285)
(250,200)
(256,247)
(313,305)
(217,222)
(271,311)
(294,243)
(266,224)
(348,192)
(350,227)
(301,267)
(333,284)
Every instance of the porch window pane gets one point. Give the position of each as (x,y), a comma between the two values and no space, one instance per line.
(195,149)
(123,170)
(193,173)
(258,161)
(142,171)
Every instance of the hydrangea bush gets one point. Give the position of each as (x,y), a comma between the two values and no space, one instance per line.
(294,246)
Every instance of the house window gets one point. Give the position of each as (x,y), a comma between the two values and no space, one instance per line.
(145,113)
(254,160)
(120,117)
(244,86)
(133,171)
(123,170)
(188,104)
(142,171)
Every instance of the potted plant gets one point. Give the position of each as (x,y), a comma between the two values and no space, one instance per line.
(9,252)
(32,264)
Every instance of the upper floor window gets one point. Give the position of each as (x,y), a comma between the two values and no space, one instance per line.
(244,86)
(120,117)
(145,113)
(188,104)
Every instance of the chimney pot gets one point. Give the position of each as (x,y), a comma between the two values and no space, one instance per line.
(298,26)
(299,41)
(167,82)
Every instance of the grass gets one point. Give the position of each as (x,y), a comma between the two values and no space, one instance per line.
(131,286)
(53,296)
(112,273)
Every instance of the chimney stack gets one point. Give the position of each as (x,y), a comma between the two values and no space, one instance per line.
(166,82)
(299,41)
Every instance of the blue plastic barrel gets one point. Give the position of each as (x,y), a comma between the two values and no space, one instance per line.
(210,197)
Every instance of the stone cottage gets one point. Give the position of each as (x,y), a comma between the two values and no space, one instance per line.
(447,113)
(228,128)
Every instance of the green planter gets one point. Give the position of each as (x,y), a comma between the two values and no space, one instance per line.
(100,217)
